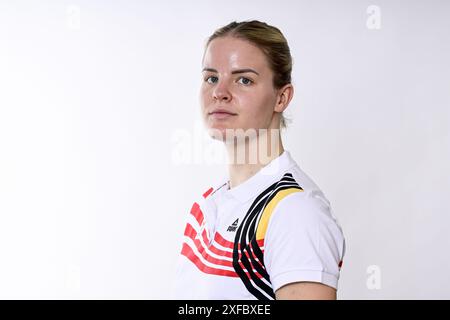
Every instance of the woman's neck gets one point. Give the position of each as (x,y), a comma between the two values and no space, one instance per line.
(247,158)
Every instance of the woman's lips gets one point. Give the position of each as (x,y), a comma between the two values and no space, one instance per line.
(221,115)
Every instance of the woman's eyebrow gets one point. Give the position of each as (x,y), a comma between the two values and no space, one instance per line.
(234,71)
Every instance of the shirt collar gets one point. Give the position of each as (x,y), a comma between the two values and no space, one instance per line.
(260,180)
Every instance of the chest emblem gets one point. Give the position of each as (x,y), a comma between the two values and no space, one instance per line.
(233,226)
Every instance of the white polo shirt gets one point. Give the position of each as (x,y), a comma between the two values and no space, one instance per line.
(246,242)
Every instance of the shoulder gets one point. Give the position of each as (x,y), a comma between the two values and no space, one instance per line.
(307,203)
(310,204)
(305,209)
(305,219)
(303,241)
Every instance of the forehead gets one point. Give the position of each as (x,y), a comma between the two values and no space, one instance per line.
(229,52)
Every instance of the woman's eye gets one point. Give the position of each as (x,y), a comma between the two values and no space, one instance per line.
(213,79)
(207,79)
(246,81)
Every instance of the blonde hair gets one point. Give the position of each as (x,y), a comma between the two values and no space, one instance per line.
(271,42)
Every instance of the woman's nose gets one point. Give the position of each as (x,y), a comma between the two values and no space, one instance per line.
(221,91)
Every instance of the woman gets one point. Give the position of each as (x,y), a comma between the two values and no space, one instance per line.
(265,231)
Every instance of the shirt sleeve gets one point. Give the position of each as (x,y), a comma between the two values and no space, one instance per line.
(303,241)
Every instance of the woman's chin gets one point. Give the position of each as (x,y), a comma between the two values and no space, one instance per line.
(217,133)
(223,133)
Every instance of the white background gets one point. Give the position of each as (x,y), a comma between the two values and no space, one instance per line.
(93,95)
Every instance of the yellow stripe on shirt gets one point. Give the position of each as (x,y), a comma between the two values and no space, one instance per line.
(267,213)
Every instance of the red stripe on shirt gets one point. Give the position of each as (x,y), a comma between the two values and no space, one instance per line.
(228,244)
(197,213)
(207,192)
(192,233)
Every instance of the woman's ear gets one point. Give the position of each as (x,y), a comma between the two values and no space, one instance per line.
(285,95)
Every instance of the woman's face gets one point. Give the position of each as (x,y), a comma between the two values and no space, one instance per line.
(237,79)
